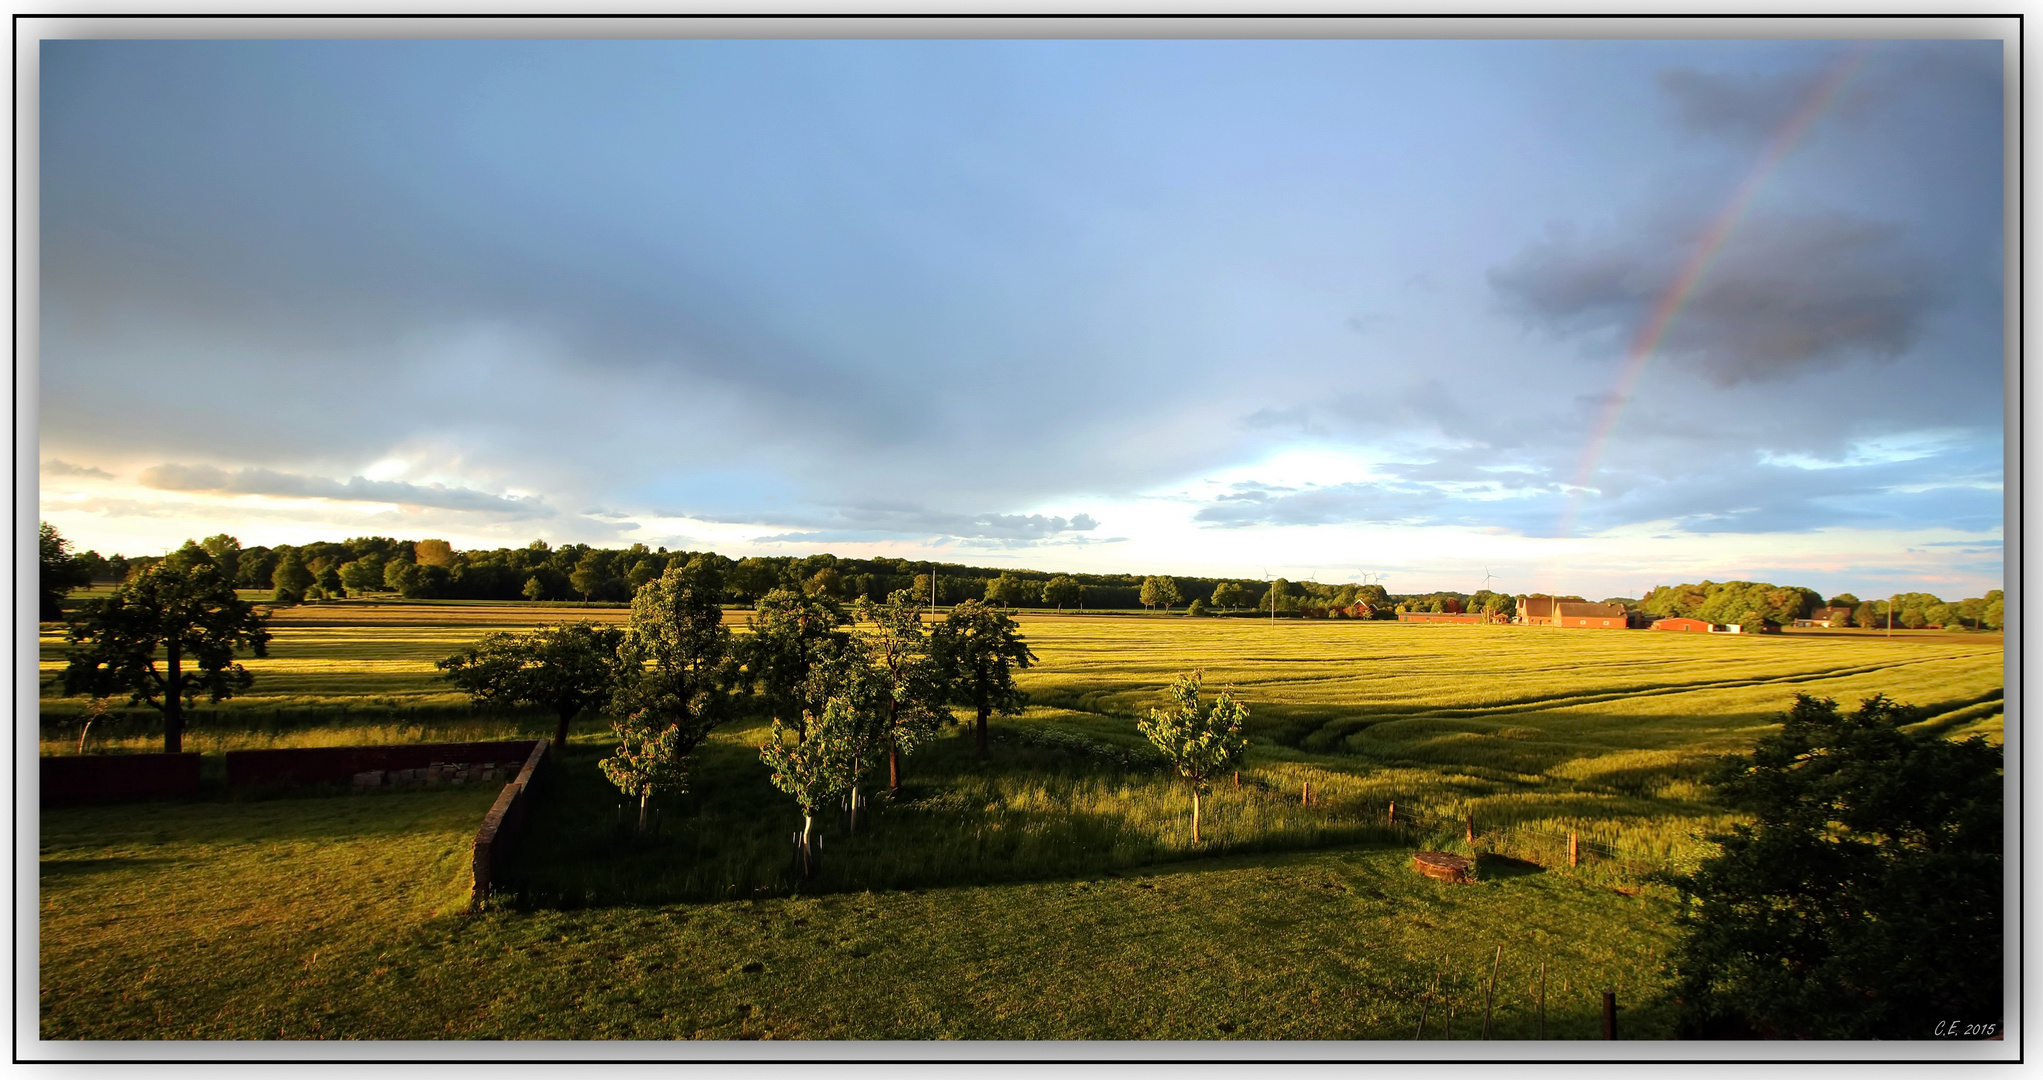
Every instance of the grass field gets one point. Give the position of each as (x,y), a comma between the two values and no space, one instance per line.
(313,920)
(1052,893)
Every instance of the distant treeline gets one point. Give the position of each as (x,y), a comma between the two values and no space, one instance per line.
(434,569)
(1754,601)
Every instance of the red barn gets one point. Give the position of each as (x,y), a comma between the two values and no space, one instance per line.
(1547,611)
(1693,625)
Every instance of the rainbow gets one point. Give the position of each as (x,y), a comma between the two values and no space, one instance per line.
(1654,330)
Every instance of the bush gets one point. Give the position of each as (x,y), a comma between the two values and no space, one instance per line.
(1865,901)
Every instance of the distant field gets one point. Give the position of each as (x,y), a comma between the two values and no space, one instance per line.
(1052,893)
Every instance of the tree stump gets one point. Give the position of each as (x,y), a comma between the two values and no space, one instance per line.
(1459,869)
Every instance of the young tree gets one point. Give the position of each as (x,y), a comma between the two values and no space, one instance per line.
(1062,590)
(898,649)
(1865,900)
(678,680)
(818,763)
(791,634)
(978,650)
(565,668)
(1202,740)
(1230,595)
(60,574)
(183,607)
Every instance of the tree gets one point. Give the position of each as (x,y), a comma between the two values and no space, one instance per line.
(979,650)
(678,680)
(898,649)
(1007,591)
(1865,900)
(226,553)
(819,764)
(1159,591)
(1202,740)
(60,574)
(826,583)
(1843,600)
(1278,597)
(1196,607)
(791,634)
(590,574)
(535,589)
(565,668)
(1062,590)
(362,575)
(183,607)
(433,553)
(1230,595)
(290,577)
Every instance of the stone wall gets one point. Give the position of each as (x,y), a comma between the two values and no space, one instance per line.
(107,778)
(343,764)
(500,827)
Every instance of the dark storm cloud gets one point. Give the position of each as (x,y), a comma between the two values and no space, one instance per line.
(1784,295)
(1743,105)
(252,481)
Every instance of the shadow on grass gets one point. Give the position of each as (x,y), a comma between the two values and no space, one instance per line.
(956,823)
(1493,867)
(79,867)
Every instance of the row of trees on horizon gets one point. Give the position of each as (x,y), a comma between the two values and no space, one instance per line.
(434,569)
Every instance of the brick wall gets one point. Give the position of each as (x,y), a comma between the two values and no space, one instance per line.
(105,778)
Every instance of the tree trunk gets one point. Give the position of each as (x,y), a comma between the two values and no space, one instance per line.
(983,710)
(645,799)
(808,846)
(894,765)
(173,696)
(560,734)
(1195,817)
(854,811)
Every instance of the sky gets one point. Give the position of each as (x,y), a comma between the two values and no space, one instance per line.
(1572,316)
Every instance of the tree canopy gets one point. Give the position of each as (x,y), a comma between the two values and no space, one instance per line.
(678,680)
(1865,900)
(978,649)
(564,669)
(181,609)
(60,573)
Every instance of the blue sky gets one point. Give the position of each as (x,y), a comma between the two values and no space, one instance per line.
(1310,308)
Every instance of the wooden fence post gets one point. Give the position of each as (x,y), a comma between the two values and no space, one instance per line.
(1490,995)
(1610,1014)
(1574,852)
(1542,999)
(1393,813)
(1305,794)
(1471,830)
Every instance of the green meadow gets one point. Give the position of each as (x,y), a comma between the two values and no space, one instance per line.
(1051,893)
